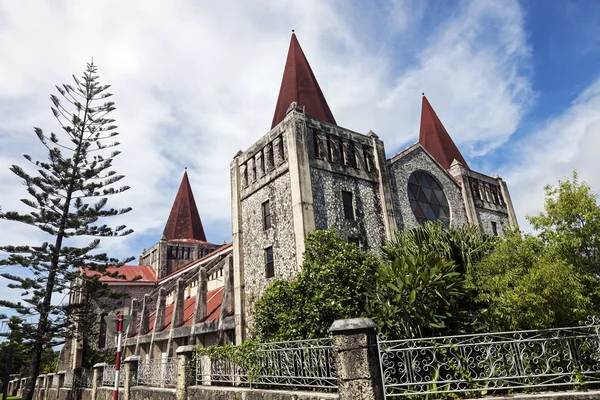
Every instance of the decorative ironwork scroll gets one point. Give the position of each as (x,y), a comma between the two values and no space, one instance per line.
(492,362)
(157,372)
(297,364)
(108,376)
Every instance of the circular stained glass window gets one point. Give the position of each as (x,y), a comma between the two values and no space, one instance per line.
(427,199)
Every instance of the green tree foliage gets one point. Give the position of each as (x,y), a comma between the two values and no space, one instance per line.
(464,245)
(68,195)
(524,284)
(22,351)
(415,296)
(332,283)
(549,278)
(569,226)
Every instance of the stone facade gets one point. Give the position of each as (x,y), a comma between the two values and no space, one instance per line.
(486,200)
(307,174)
(416,158)
(167,257)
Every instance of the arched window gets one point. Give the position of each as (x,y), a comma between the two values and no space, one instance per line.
(427,199)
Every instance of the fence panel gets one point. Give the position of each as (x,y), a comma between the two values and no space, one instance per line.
(157,372)
(297,364)
(108,376)
(493,362)
(85,378)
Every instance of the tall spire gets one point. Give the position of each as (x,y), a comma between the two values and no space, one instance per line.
(300,85)
(436,139)
(184,220)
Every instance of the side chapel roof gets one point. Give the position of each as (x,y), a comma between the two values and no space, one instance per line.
(300,85)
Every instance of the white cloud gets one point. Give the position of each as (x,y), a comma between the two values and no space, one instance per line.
(474,71)
(566,142)
(194,82)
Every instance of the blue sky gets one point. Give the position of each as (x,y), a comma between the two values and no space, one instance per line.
(517,85)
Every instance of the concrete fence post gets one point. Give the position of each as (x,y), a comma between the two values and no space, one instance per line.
(131,369)
(357,360)
(47,385)
(185,371)
(97,379)
(49,382)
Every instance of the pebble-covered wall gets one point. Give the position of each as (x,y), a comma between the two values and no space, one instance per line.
(367,225)
(402,166)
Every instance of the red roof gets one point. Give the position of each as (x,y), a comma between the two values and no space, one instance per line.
(145,272)
(436,140)
(184,220)
(300,85)
(214,299)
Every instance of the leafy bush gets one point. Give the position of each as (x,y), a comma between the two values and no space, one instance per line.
(525,285)
(332,284)
(415,296)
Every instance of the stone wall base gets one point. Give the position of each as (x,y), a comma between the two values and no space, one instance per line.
(229,393)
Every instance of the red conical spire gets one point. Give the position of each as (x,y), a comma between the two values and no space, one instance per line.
(436,139)
(184,220)
(300,85)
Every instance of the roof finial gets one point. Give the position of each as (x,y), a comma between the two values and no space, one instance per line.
(293,30)
(185,168)
(422,94)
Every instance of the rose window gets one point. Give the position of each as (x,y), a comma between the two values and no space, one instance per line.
(427,199)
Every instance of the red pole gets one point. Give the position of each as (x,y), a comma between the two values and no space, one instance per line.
(118,362)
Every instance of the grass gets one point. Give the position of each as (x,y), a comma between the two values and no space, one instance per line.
(13,398)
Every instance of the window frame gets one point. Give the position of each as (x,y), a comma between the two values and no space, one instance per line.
(267,216)
(269,263)
(348,205)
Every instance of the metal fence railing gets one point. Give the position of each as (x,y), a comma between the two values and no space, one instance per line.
(85,378)
(160,372)
(54,381)
(302,364)
(108,376)
(492,362)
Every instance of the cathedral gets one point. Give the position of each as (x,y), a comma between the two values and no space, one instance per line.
(305,173)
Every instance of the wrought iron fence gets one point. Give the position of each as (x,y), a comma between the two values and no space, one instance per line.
(296,364)
(108,376)
(54,381)
(157,372)
(493,362)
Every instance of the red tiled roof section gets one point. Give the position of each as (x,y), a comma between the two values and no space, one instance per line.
(184,220)
(130,272)
(214,298)
(300,85)
(436,140)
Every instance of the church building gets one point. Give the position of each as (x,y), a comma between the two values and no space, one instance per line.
(305,173)
(310,173)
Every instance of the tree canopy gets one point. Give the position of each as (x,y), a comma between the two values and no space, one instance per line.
(68,196)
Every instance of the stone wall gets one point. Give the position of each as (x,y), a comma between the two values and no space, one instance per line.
(151,393)
(280,236)
(415,158)
(367,226)
(226,393)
